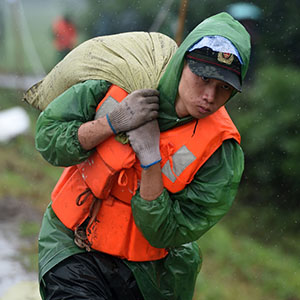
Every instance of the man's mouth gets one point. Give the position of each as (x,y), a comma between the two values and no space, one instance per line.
(203,110)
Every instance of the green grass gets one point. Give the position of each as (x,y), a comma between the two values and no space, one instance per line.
(29,229)
(29,258)
(240,267)
(24,173)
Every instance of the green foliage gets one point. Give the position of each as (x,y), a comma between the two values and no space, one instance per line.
(277,35)
(268,118)
(109,17)
(280,35)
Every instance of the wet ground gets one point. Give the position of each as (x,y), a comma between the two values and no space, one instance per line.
(16,281)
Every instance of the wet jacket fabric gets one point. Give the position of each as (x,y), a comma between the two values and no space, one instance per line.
(182,217)
(112,173)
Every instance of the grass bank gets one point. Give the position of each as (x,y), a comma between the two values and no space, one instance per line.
(25,173)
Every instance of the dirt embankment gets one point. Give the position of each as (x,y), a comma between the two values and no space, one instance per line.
(18,210)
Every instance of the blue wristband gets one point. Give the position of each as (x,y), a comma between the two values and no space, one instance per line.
(112,128)
(148,166)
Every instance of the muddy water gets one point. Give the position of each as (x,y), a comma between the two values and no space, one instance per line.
(16,282)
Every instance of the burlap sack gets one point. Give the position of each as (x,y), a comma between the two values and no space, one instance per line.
(132,61)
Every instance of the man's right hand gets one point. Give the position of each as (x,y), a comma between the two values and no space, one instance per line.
(136,109)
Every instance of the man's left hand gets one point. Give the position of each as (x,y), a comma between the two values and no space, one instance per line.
(145,143)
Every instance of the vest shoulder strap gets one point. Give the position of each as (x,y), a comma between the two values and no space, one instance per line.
(112,98)
(186,148)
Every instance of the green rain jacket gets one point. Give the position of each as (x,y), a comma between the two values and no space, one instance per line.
(183,217)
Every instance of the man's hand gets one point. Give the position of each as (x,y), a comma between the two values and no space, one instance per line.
(137,108)
(145,142)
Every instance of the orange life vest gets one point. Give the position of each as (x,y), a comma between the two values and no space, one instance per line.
(112,173)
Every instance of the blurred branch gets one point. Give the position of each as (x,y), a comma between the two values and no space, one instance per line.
(161,16)
(181,20)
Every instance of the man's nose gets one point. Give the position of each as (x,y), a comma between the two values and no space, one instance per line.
(209,94)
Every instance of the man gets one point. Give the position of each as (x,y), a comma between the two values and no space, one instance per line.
(65,36)
(125,217)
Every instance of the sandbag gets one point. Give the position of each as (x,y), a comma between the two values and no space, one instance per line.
(132,60)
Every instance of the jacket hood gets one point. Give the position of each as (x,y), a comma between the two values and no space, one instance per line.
(221,24)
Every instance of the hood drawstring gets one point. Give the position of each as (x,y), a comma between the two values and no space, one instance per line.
(195,127)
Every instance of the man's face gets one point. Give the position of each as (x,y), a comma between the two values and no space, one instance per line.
(200,96)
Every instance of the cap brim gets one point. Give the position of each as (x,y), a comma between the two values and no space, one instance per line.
(212,71)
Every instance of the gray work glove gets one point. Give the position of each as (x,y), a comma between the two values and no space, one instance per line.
(144,141)
(136,109)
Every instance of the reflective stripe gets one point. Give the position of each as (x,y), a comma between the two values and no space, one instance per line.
(182,158)
(106,107)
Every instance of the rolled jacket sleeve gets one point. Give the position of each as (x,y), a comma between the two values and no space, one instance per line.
(174,219)
(57,126)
